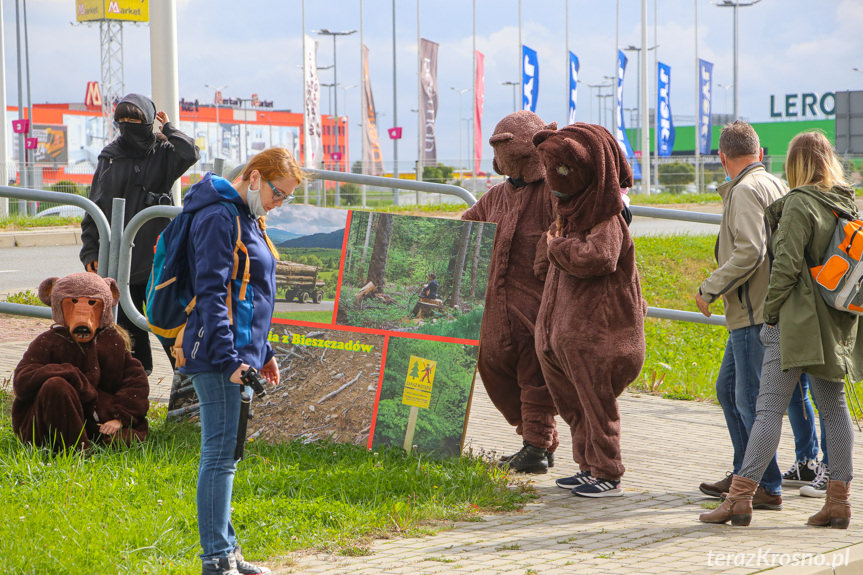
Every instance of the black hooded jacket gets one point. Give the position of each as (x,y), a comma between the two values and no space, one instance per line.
(129,172)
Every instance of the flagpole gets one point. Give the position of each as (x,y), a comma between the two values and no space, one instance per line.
(419,104)
(656,96)
(645,104)
(520,57)
(473,130)
(364,105)
(616,82)
(566,67)
(305,126)
(697,99)
(395,112)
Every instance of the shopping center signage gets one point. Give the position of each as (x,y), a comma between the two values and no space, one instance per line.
(805,105)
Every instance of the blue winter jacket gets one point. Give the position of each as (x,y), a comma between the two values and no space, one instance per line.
(213,341)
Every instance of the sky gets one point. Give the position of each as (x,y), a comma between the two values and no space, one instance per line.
(785,47)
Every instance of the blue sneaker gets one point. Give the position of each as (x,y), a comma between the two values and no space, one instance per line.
(579,478)
(599,487)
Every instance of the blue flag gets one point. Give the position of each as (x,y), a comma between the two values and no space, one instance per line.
(529,78)
(705,81)
(573,86)
(621,135)
(665,133)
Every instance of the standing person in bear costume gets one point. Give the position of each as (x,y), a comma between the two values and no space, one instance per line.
(523,208)
(590,328)
(78,383)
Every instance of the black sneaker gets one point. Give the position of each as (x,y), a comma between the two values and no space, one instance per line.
(579,478)
(599,488)
(801,473)
(549,455)
(530,459)
(246,568)
(219,566)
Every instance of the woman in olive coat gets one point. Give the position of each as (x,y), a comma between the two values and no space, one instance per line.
(801,333)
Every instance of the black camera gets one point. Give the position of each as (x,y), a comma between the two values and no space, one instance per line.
(154,199)
(253,378)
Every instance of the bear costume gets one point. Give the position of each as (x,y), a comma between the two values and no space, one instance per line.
(78,382)
(523,209)
(590,327)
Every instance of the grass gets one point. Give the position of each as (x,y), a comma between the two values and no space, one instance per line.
(133,511)
(682,358)
(668,198)
(317,316)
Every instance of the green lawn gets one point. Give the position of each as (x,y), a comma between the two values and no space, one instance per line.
(318,316)
(133,511)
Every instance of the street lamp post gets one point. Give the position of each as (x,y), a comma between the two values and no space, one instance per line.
(216,90)
(637,50)
(326,32)
(460,92)
(590,99)
(515,86)
(736,4)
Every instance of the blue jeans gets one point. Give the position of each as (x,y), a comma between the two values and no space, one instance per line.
(220,415)
(802,418)
(737,391)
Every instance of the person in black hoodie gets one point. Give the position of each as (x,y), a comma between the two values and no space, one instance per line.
(139,166)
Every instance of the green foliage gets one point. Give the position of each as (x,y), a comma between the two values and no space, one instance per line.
(133,511)
(25,297)
(676,175)
(440,173)
(439,427)
(463,326)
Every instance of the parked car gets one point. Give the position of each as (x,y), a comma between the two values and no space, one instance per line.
(64,211)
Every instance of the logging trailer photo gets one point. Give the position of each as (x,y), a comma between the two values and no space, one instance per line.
(300,282)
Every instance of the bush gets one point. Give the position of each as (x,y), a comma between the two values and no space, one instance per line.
(676,175)
(68,187)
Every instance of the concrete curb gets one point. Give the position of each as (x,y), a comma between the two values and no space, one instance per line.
(62,236)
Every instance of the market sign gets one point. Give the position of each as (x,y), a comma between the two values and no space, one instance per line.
(805,105)
(119,10)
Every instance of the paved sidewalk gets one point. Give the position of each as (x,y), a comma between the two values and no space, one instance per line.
(668,446)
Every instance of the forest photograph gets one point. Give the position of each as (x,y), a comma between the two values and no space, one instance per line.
(439,428)
(391,261)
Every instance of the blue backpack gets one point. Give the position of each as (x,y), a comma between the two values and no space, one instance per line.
(169,290)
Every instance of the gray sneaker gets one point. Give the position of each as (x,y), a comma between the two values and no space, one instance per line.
(818,487)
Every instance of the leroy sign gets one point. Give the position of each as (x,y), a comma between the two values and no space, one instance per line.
(807,104)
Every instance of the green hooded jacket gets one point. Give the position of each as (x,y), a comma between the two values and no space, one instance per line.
(815,337)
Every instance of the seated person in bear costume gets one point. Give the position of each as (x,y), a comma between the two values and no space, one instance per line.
(78,383)
(590,327)
(523,209)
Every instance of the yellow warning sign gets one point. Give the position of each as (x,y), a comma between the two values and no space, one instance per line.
(419,382)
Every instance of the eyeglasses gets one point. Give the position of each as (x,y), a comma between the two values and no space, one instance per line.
(278,194)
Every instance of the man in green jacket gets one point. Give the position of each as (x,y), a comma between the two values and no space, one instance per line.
(741,280)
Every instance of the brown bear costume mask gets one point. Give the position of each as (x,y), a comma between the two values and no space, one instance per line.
(514,153)
(83,302)
(586,169)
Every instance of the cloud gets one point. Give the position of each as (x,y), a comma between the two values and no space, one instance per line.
(306,220)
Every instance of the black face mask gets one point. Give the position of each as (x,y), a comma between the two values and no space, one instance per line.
(139,137)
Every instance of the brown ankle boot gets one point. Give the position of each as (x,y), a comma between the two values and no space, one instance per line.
(737,505)
(836,512)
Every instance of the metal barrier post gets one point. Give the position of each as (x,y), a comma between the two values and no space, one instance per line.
(124,261)
(118,211)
